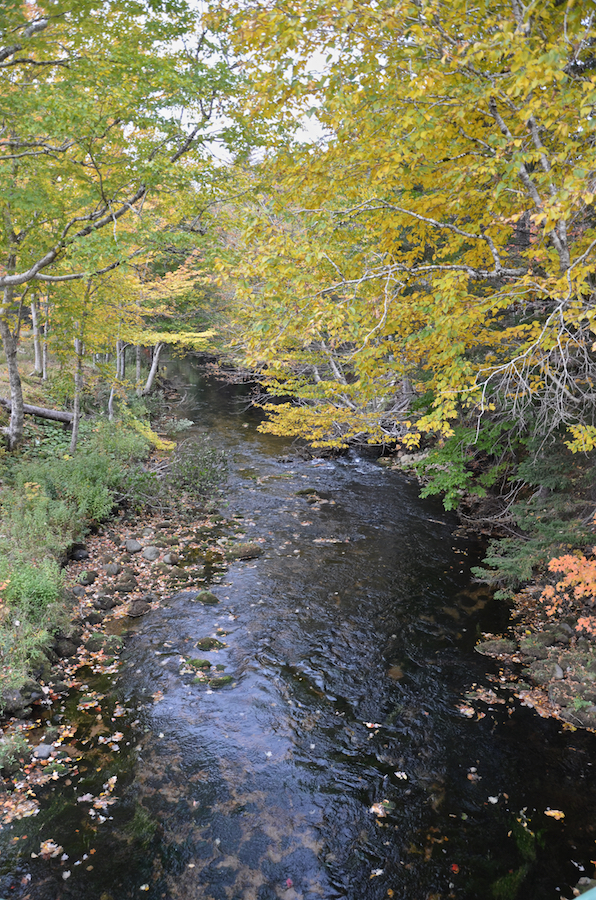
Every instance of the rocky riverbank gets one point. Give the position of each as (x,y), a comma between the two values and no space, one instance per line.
(116,577)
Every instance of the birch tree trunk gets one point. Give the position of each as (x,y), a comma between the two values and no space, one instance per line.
(78,388)
(14,432)
(46,328)
(153,371)
(138,369)
(111,405)
(38,366)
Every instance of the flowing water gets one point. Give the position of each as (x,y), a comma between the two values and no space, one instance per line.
(337,763)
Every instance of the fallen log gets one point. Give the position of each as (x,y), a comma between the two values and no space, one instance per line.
(55,414)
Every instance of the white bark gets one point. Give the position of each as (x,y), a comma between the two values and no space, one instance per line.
(14,432)
(38,366)
(46,328)
(153,371)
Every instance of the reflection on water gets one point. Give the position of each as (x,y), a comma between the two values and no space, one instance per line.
(336,762)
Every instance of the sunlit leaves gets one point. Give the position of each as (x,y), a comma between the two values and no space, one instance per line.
(440,234)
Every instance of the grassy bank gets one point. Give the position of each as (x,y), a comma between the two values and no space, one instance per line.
(50,501)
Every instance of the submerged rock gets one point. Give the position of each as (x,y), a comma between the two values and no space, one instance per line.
(220,681)
(207,598)
(209,643)
(249,550)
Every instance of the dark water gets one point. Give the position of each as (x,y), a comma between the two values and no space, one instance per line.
(350,643)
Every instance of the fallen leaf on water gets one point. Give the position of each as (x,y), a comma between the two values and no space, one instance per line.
(467,711)
(373,725)
(376,872)
(554,813)
(49,849)
(383,808)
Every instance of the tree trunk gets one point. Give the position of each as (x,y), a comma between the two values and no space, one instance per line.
(138,369)
(56,415)
(46,328)
(14,432)
(111,405)
(153,371)
(38,367)
(78,388)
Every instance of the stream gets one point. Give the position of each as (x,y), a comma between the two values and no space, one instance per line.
(338,763)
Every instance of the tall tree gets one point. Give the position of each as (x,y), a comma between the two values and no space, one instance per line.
(102,106)
(441,230)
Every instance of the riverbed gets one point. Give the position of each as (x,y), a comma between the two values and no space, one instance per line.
(343,759)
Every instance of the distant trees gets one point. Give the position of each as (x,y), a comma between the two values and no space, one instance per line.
(104,107)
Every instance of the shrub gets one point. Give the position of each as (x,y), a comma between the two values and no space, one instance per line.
(30,588)
(198,468)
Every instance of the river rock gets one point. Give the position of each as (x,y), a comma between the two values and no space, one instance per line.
(542,672)
(66,647)
(248,550)
(132,546)
(533,648)
(207,598)
(113,644)
(95,642)
(87,578)
(496,647)
(150,597)
(138,608)
(79,554)
(171,559)
(105,602)
(12,702)
(151,553)
(95,617)
(78,590)
(127,585)
(112,569)
(43,751)
(219,681)
(209,643)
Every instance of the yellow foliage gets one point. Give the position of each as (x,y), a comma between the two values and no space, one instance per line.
(158,442)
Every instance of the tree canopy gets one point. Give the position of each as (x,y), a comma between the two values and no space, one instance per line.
(438,239)
(105,108)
